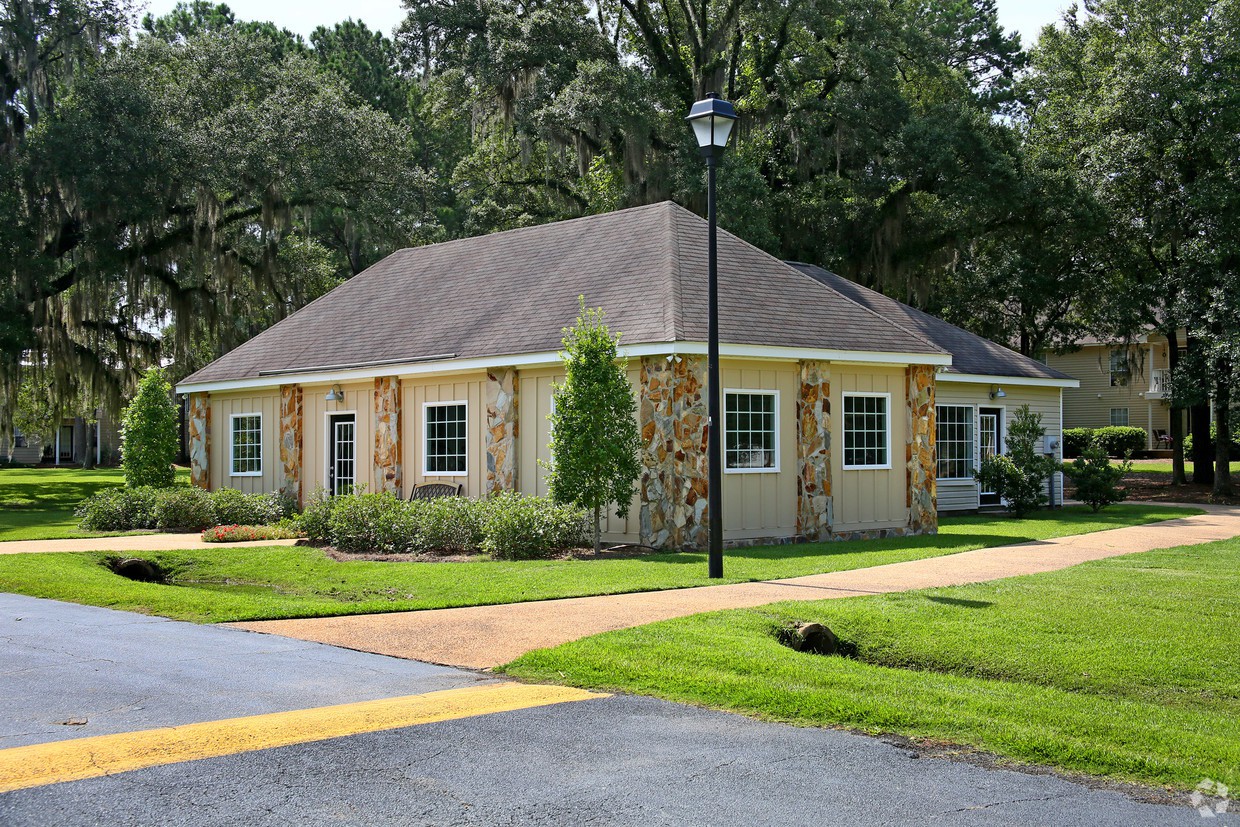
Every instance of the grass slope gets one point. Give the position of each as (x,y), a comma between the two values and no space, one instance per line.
(1127,667)
(225,584)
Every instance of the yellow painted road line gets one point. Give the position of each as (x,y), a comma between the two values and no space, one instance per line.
(40,764)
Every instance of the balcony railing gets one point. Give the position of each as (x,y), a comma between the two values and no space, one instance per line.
(1159,379)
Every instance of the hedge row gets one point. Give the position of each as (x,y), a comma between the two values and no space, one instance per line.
(1115,440)
(1235,442)
(179,508)
(508,526)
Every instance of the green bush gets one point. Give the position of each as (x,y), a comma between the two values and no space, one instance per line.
(315,519)
(149,434)
(1020,477)
(451,524)
(1076,440)
(1235,442)
(118,509)
(1096,478)
(232,507)
(376,523)
(516,527)
(1119,440)
(184,508)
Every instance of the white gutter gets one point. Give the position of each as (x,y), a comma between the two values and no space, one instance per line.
(342,374)
(983,379)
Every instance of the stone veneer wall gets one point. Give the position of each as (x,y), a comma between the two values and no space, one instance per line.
(388,471)
(672,411)
(923,515)
(199,427)
(292,423)
(502,429)
(814,514)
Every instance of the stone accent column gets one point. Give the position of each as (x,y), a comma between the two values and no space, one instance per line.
(674,484)
(923,515)
(388,471)
(814,512)
(502,427)
(292,417)
(199,427)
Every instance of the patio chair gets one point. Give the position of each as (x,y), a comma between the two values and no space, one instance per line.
(432,490)
(1162,437)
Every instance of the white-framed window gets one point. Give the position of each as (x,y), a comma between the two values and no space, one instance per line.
(867,431)
(750,431)
(954,441)
(1121,370)
(445,439)
(245,445)
(1119,416)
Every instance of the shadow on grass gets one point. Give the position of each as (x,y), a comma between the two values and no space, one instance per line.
(962,603)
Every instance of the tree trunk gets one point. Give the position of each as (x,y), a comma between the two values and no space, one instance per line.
(598,539)
(1177,414)
(1203,450)
(1222,425)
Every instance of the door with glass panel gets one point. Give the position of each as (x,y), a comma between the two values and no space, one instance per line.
(341,454)
(989,443)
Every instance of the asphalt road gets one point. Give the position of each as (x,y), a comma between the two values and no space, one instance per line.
(615,760)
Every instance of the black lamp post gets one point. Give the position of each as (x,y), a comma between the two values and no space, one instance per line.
(712,120)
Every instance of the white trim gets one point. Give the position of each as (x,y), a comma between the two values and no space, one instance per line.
(328,459)
(972,409)
(723,431)
(232,436)
(982,379)
(549,359)
(426,472)
(844,433)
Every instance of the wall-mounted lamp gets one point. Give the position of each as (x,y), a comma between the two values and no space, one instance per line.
(996,392)
(335,394)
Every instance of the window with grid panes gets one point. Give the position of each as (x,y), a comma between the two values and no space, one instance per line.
(954,441)
(1119,416)
(749,431)
(445,438)
(247,445)
(867,433)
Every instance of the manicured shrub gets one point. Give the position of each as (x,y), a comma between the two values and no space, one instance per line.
(118,509)
(516,527)
(315,518)
(232,507)
(1096,478)
(1119,440)
(247,533)
(1076,440)
(1020,477)
(149,434)
(376,523)
(452,524)
(1235,442)
(183,508)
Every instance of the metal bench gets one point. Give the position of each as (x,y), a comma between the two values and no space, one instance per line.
(432,490)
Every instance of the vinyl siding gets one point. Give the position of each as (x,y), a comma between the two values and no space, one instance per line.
(1089,406)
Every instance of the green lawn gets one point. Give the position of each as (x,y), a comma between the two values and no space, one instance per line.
(1127,667)
(258,583)
(38,503)
(1163,466)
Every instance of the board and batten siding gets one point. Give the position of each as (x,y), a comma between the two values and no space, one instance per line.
(534,441)
(764,503)
(223,408)
(415,394)
(1089,406)
(962,495)
(864,500)
(359,399)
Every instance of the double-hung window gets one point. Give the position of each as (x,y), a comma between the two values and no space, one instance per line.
(1119,416)
(445,444)
(751,438)
(954,441)
(1121,369)
(867,430)
(245,445)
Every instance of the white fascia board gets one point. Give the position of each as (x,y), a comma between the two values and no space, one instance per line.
(1031,381)
(533,360)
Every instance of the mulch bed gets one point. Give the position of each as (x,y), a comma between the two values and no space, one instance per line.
(1145,486)
(622,552)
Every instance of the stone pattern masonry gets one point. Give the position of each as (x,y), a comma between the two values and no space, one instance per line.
(199,427)
(672,412)
(502,430)
(922,471)
(292,424)
(388,471)
(814,513)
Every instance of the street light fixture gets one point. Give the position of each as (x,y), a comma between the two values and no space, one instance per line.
(712,120)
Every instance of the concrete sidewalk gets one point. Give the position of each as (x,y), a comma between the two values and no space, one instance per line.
(132,542)
(487,636)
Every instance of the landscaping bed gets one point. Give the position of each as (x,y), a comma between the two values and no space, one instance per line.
(1125,668)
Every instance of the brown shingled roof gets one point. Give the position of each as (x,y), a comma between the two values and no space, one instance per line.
(513,292)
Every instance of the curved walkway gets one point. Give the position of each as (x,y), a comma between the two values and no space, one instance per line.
(486,636)
(128,542)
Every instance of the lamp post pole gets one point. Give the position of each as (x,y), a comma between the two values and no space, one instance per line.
(712,120)
(714,446)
